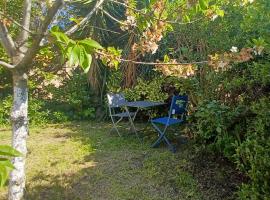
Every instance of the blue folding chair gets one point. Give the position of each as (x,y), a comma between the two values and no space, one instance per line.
(177,115)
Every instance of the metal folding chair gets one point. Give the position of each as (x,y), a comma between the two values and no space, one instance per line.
(115,103)
(178,108)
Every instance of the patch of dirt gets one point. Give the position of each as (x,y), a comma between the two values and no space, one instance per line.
(217,177)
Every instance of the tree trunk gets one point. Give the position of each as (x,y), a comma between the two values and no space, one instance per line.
(19,120)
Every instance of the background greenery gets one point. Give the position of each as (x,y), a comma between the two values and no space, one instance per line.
(229,111)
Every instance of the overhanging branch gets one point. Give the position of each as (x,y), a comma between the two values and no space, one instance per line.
(16,23)
(32,51)
(23,36)
(145,14)
(84,20)
(113,18)
(6,40)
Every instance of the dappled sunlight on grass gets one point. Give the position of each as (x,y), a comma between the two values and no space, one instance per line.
(85,161)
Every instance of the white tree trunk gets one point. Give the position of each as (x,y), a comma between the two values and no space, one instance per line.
(19,120)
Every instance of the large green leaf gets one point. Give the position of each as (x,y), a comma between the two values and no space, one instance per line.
(61,37)
(3,175)
(86,60)
(74,56)
(89,43)
(6,162)
(88,65)
(6,150)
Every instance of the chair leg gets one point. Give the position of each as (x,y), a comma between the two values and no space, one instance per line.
(114,125)
(171,147)
(162,137)
(160,134)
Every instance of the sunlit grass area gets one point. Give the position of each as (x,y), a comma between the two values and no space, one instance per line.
(84,161)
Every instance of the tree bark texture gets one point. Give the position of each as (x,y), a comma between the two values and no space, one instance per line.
(19,118)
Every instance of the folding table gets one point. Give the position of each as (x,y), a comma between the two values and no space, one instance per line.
(140,105)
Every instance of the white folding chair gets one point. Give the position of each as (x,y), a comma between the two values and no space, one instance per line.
(116,101)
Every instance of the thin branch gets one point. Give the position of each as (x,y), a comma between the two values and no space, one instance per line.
(84,20)
(159,63)
(6,40)
(32,51)
(23,36)
(113,18)
(154,63)
(103,29)
(7,65)
(17,23)
(145,14)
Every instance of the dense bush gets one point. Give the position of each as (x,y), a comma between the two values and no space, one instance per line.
(37,113)
(252,154)
(148,90)
(229,109)
(70,101)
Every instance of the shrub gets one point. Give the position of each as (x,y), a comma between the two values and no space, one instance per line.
(36,112)
(252,154)
(147,90)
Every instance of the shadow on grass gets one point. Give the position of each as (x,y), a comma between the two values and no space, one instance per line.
(114,168)
(83,161)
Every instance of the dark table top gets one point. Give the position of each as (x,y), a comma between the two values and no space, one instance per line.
(144,104)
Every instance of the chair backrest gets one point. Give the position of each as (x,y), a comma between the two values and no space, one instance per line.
(179,105)
(116,100)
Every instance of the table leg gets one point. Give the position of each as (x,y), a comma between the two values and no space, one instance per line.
(131,123)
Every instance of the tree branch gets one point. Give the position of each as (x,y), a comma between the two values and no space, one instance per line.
(145,14)
(23,36)
(6,65)
(154,63)
(17,23)
(162,64)
(7,41)
(113,18)
(32,51)
(84,20)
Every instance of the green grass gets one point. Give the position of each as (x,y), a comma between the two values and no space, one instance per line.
(83,161)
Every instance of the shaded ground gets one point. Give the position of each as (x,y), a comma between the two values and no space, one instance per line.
(83,161)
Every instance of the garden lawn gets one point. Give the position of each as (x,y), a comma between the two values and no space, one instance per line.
(83,161)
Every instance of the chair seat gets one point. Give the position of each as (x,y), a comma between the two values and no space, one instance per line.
(167,120)
(124,114)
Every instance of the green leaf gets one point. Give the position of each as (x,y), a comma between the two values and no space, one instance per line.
(61,37)
(75,55)
(3,175)
(220,13)
(218,129)
(186,18)
(6,162)
(88,65)
(55,29)
(5,167)
(166,58)
(77,21)
(6,150)
(90,44)
(85,59)
(203,4)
